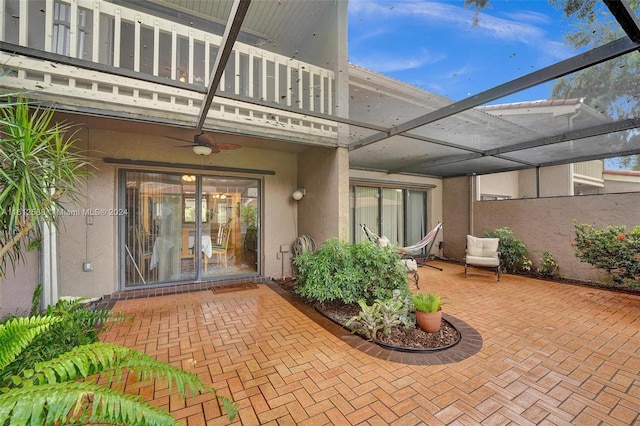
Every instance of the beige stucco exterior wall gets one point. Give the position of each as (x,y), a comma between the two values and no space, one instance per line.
(457,213)
(97,242)
(619,183)
(503,184)
(17,287)
(322,212)
(543,224)
(555,181)
(546,224)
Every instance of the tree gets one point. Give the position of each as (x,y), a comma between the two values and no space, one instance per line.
(612,87)
(39,165)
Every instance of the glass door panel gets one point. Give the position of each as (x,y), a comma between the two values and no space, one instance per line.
(366,211)
(152,237)
(229,223)
(416,215)
(392,216)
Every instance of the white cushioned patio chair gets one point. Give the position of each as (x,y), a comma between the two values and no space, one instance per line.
(482,252)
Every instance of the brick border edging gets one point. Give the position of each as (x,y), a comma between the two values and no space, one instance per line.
(470,341)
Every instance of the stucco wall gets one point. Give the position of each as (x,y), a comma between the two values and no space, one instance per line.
(80,241)
(546,224)
(504,184)
(543,224)
(16,288)
(555,181)
(324,173)
(457,215)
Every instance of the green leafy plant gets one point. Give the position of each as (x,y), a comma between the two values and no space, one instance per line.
(407,311)
(548,266)
(34,154)
(383,315)
(514,256)
(35,300)
(427,302)
(368,321)
(52,393)
(613,249)
(350,272)
(76,325)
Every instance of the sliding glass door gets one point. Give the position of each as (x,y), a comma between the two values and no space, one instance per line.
(398,214)
(186,227)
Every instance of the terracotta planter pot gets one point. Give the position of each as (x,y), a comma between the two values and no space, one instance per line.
(429,322)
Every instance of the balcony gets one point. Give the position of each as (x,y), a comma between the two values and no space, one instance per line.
(589,173)
(99,57)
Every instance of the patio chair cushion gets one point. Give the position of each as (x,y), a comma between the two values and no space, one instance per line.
(382,241)
(411,264)
(482,251)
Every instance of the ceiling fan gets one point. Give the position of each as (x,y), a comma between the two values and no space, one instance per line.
(205,144)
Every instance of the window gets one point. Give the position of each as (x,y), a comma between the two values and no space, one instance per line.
(400,214)
(62,31)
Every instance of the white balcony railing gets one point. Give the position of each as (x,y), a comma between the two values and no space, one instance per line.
(130,44)
(589,173)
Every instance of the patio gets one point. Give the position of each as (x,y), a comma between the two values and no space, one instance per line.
(551,354)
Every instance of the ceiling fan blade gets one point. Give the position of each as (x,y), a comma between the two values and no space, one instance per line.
(230,146)
(205,139)
(177,139)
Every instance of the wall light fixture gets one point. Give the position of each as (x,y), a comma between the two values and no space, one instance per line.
(298,194)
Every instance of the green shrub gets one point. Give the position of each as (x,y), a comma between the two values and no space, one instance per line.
(514,256)
(548,265)
(613,249)
(382,315)
(75,325)
(350,272)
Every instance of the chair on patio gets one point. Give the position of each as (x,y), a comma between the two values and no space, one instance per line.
(482,252)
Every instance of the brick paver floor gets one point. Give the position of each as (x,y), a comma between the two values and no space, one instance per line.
(552,354)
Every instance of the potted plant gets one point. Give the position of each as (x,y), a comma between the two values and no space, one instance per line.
(428,308)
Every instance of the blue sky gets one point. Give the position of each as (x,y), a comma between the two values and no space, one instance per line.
(435,46)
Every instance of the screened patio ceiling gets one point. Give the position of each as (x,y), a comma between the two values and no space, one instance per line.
(437,136)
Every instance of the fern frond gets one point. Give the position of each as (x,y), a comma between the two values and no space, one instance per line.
(85,360)
(17,333)
(111,360)
(82,402)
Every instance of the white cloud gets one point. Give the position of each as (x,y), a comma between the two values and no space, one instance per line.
(524,27)
(382,62)
(529,16)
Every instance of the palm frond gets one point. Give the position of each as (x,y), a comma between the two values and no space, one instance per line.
(17,333)
(78,402)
